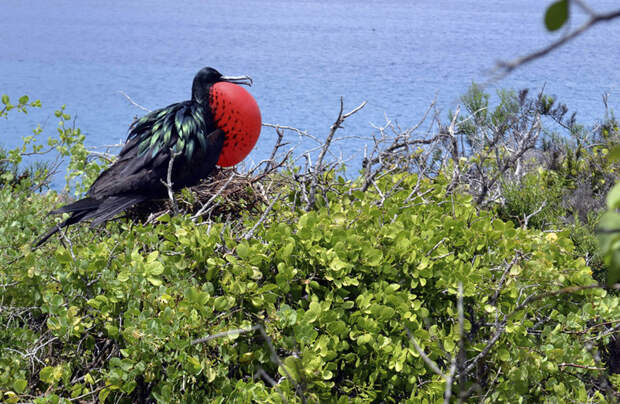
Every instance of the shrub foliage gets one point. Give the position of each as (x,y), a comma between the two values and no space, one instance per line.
(404,290)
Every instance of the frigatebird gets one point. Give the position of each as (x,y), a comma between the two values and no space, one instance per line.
(218,126)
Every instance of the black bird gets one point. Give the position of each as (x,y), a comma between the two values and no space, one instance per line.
(218,126)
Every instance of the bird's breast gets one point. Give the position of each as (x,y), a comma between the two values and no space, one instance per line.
(235,112)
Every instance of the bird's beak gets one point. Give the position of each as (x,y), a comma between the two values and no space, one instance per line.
(243,80)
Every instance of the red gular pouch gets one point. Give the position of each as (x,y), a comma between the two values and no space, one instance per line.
(235,112)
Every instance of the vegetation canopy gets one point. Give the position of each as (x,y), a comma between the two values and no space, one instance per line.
(455,267)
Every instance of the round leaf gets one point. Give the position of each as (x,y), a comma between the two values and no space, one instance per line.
(556,15)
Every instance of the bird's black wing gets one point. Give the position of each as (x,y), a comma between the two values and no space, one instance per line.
(185,130)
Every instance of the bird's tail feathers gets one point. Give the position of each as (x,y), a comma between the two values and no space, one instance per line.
(99,210)
(74,218)
(112,206)
(88,204)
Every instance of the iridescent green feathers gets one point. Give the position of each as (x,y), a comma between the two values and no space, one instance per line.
(180,127)
(148,164)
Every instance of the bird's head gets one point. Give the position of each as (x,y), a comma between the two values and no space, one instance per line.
(208,76)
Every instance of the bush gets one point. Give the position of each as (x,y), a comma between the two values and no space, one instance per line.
(371,294)
(529,159)
(336,289)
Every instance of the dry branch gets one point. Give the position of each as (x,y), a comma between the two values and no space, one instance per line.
(168,183)
(133,102)
(503,68)
(319,168)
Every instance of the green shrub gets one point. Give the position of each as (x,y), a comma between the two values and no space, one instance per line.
(535,201)
(338,304)
(336,290)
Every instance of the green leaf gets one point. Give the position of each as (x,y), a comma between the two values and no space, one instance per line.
(364,339)
(154,281)
(489,308)
(103,394)
(154,268)
(373,256)
(152,256)
(221,303)
(20,385)
(290,367)
(614,154)
(5,99)
(287,250)
(338,265)
(51,374)
(613,273)
(313,313)
(613,197)
(556,15)
(503,354)
(243,250)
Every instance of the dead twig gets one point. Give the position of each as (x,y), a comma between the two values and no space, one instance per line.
(250,232)
(318,167)
(274,355)
(526,218)
(208,205)
(261,373)
(454,357)
(501,325)
(431,364)
(574,365)
(502,280)
(505,67)
(226,334)
(168,183)
(454,365)
(133,102)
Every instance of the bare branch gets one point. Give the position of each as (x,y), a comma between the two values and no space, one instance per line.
(250,232)
(168,183)
(501,325)
(453,362)
(574,365)
(133,102)
(260,372)
(226,334)
(505,67)
(318,168)
(527,218)
(277,127)
(431,364)
(208,205)
(502,280)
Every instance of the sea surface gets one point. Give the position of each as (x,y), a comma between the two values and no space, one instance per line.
(303,56)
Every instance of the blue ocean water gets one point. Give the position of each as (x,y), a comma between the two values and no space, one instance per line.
(303,56)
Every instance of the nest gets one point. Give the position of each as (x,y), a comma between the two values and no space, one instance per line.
(218,196)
